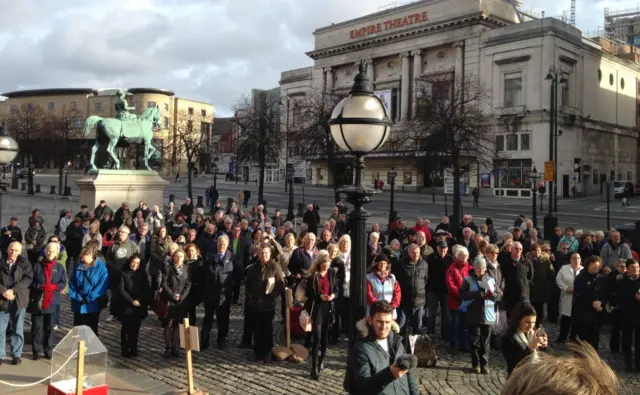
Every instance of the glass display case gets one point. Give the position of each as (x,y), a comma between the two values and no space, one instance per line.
(64,364)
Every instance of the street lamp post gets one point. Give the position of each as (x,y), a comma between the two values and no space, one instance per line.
(290,213)
(534,177)
(359,124)
(66,179)
(555,76)
(8,152)
(215,175)
(286,154)
(391,180)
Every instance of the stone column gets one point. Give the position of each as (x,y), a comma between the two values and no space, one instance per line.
(404,89)
(459,45)
(329,79)
(417,71)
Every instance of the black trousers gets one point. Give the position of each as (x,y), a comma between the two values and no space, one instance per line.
(321,330)
(631,342)
(263,332)
(222,314)
(342,318)
(553,303)
(171,333)
(479,344)
(249,325)
(42,333)
(90,319)
(589,333)
(566,329)
(616,331)
(539,308)
(236,291)
(129,333)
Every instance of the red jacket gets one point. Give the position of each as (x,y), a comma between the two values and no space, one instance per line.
(456,274)
(397,295)
(634,255)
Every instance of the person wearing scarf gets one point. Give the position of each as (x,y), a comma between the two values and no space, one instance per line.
(49,278)
(521,338)
(174,289)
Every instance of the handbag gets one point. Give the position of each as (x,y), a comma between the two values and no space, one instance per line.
(35,301)
(160,307)
(500,327)
(305,319)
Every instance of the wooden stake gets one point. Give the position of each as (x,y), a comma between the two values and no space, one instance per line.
(288,294)
(80,368)
(187,351)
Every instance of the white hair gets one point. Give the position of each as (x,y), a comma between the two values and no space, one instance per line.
(599,233)
(224,237)
(461,250)
(374,235)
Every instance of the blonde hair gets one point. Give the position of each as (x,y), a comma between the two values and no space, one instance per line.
(322,257)
(581,373)
(333,250)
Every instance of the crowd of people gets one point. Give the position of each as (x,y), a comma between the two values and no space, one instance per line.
(488,291)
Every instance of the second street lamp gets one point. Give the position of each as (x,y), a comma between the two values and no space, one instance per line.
(359,124)
(391,180)
(534,177)
(290,173)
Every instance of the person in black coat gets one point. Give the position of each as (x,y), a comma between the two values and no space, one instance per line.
(310,218)
(174,290)
(49,278)
(187,209)
(134,292)
(194,265)
(543,278)
(264,282)
(412,275)
(628,296)
(322,288)
(437,293)
(521,338)
(10,234)
(517,273)
(301,258)
(218,274)
(588,296)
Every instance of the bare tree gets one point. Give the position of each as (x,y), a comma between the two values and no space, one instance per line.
(311,135)
(188,138)
(62,128)
(259,133)
(451,120)
(27,124)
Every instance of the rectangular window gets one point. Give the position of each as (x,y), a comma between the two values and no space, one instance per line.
(74,105)
(499,143)
(203,113)
(190,110)
(565,100)
(393,107)
(166,122)
(151,104)
(441,90)
(189,126)
(98,107)
(166,106)
(512,142)
(525,142)
(79,123)
(512,89)
(51,106)
(14,109)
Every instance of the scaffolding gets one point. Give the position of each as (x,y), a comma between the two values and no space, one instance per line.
(623,25)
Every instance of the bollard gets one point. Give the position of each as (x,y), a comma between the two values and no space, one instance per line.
(172,198)
(200,203)
(38,188)
(23,186)
(67,191)
(300,210)
(53,190)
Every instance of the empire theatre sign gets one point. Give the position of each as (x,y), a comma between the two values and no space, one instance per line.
(390,24)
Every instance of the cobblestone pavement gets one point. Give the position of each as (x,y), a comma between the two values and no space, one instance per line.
(233,370)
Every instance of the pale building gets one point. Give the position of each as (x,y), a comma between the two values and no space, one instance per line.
(491,42)
(76,104)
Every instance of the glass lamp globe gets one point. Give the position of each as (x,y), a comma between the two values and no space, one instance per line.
(360,123)
(8,149)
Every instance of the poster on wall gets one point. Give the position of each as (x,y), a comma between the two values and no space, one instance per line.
(385,97)
(408,178)
(485,180)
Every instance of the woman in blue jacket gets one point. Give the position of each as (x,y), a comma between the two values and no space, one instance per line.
(88,289)
(49,278)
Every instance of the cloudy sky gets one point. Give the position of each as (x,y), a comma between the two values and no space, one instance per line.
(211,50)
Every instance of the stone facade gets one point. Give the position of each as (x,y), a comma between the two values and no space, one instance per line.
(487,41)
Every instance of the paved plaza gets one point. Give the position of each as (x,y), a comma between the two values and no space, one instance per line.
(233,371)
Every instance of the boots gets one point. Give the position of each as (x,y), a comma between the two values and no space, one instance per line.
(167,352)
(204,340)
(314,369)
(321,361)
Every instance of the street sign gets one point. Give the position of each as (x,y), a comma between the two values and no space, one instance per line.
(548,171)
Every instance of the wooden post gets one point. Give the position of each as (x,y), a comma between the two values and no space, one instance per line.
(288,293)
(187,351)
(80,368)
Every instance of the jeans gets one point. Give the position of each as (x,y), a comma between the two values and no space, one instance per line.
(434,301)
(14,316)
(42,333)
(411,315)
(56,320)
(459,336)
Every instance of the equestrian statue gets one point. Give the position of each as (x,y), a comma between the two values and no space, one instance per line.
(126,126)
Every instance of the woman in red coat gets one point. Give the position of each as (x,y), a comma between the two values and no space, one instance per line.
(456,273)
(382,285)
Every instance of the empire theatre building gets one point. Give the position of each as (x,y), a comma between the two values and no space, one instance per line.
(509,53)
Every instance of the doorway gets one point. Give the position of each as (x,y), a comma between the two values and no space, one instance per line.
(565,185)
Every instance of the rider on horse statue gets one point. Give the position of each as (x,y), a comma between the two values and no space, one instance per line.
(122,107)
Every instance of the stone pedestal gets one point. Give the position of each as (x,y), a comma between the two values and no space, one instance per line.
(118,186)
